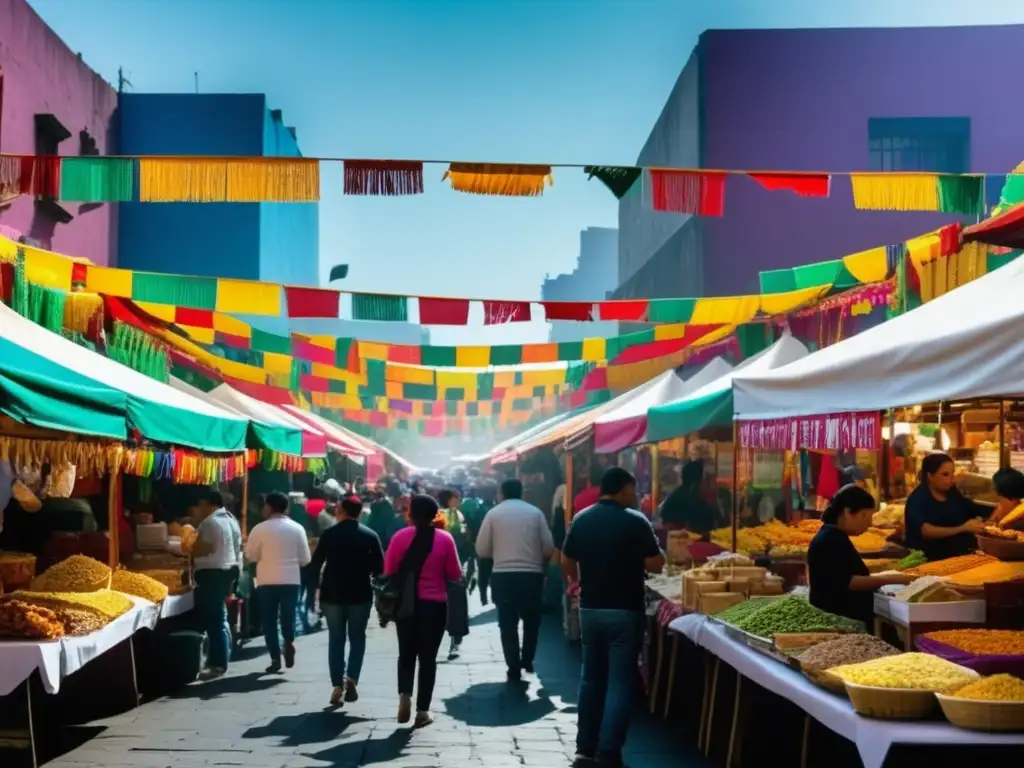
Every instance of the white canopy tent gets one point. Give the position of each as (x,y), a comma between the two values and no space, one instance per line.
(966,344)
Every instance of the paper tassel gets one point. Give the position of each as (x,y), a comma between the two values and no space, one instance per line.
(97,179)
(183,180)
(273,180)
(499,179)
(80,309)
(40,176)
(619,179)
(383,177)
(90,459)
(802,184)
(962,194)
(500,312)
(895,191)
(371,306)
(46,307)
(700,193)
(10,177)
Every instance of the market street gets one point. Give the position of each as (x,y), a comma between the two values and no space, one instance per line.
(258,720)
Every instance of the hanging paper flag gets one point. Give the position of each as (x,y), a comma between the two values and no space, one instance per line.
(949,239)
(499,312)
(311,302)
(619,179)
(895,191)
(97,179)
(10,177)
(802,184)
(383,177)
(197,318)
(373,306)
(443,311)
(579,311)
(273,180)
(183,180)
(40,176)
(624,311)
(701,193)
(499,179)
(962,194)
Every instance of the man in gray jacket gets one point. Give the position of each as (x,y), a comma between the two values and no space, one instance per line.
(516,536)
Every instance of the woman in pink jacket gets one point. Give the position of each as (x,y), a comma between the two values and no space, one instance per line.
(431,556)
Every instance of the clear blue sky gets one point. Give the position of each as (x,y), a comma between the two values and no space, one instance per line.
(574,81)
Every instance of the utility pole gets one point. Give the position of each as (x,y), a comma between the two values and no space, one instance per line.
(122,81)
(196,75)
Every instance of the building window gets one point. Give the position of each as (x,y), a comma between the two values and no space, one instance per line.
(928,144)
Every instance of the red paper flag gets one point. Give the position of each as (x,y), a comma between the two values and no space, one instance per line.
(568,310)
(40,176)
(197,318)
(625,311)
(949,239)
(803,184)
(311,302)
(444,311)
(498,312)
(700,193)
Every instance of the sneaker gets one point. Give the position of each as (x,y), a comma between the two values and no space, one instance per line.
(212,673)
(274,668)
(289,655)
(351,692)
(337,695)
(423,719)
(404,708)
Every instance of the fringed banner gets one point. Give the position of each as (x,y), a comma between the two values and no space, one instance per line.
(619,179)
(137,350)
(183,180)
(311,302)
(40,176)
(443,311)
(500,312)
(962,194)
(624,311)
(372,306)
(699,193)
(383,177)
(90,459)
(802,184)
(273,180)
(10,177)
(895,191)
(499,179)
(568,310)
(83,313)
(97,179)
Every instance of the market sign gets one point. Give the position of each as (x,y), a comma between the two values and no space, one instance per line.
(829,432)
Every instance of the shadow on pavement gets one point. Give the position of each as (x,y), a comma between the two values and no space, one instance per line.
(307,728)
(499,704)
(252,682)
(488,616)
(370,752)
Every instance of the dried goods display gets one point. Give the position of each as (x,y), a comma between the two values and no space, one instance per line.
(991,572)
(17,569)
(1004,533)
(988,642)
(848,649)
(994,688)
(950,566)
(888,516)
(792,614)
(77,573)
(736,613)
(169,577)
(779,539)
(25,621)
(76,621)
(917,671)
(105,604)
(140,585)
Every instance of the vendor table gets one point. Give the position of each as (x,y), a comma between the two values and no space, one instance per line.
(873,738)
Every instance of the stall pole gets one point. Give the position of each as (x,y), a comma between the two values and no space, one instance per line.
(245,502)
(655,479)
(735,484)
(567,504)
(113,523)
(1003,454)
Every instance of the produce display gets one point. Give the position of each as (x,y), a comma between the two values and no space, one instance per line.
(77,573)
(169,577)
(105,604)
(890,515)
(1003,533)
(994,688)
(140,585)
(17,569)
(25,621)
(982,642)
(952,565)
(739,612)
(792,614)
(915,559)
(848,649)
(917,671)
(777,538)
(76,621)
(989,573)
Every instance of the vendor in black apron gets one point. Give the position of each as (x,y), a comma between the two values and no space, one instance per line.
(840,581)
(941,521)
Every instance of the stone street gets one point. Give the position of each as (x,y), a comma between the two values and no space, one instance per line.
(251,719)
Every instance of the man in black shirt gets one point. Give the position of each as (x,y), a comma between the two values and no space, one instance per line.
(352,554)
(608,548)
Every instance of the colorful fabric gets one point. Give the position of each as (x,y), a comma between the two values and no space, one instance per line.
(802,184)
(97,179)
(619,179)
(699,193)
(311,302)
(380,307)
(383,177)
(568,310)
(895,191)
(435,311)
(499,179)
(623,311)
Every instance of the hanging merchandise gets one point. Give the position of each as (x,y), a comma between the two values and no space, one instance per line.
(499,179)
(383,177)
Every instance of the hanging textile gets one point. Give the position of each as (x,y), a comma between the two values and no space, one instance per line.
(383,177)
(499,179)
(10,177)
(80,310)
(273,180)
(895,191)
(619,179)
(700,193)
(802,184)
(372,306)
(444,311)
(183,180)
(311,302)
(579,311)
(40,176)
(962,194)
(97,179)
(624,311)
(499,312)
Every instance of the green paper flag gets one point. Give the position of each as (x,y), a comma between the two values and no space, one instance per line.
(372,306)
(619,179)
(97,179)
(962,194)
(179,290)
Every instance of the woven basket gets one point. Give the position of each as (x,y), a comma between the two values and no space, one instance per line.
(826,680)
(892,703)
(1007,716)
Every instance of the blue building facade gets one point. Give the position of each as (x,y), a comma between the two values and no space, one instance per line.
(275,242)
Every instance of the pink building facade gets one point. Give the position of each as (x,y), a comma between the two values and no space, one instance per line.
(52,103)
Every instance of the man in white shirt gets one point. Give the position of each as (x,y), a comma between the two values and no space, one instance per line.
(515,534)
(216,555)
(280,549)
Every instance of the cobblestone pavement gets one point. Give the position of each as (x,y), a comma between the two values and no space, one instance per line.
(277,721)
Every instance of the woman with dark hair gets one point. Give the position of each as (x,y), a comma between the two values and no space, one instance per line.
(429,556)
(940,521)
(840,581)
(1009,485)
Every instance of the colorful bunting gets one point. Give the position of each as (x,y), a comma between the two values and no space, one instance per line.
(802,184)
(380,307)
(435,311)
(700,193)
(619,179)
(311,302)
(962,194)
(499,179)
(228,179)
(624,311)
(568,310)
(97,179)
(500,312)
(383,177)
(895,191)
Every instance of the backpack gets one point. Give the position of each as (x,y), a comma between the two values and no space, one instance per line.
(395,596)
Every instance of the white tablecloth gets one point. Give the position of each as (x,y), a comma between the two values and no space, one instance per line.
(872,737)
(20,658)
(175,605)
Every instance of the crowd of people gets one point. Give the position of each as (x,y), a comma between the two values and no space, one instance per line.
(417,555)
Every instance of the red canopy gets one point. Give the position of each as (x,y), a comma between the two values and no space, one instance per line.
(1006,229)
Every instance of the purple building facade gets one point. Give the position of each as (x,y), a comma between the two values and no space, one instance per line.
(910,99)
(52,103)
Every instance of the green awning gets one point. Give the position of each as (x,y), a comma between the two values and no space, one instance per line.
(275,438)
(690,415)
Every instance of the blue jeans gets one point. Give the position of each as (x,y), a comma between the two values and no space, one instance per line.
(611,645)
(346,621)
(278,600)
(213,587)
